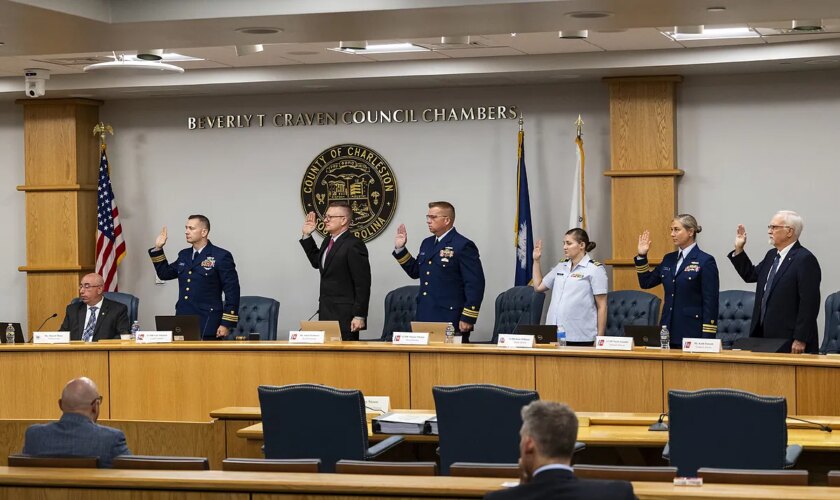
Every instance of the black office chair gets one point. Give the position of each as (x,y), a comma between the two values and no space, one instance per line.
(130,301)
(831,335)
(735,308)
(729,429)
(520,305)
(400,308)
(479,423)
(630,307)
(256,315)
(317,421)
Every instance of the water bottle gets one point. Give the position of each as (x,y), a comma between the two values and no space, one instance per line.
(561,337)
(135,327)
(10,334)
(664,337)
(450,334)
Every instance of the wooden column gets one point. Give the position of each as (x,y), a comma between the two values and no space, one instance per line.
(643,171)
(62,166)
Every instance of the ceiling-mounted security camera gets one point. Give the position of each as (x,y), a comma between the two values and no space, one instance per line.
(35,81)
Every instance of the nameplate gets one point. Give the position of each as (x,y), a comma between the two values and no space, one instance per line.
(378,403)
(154,337)
(51,338)
(701,345)
(512,341)
(410,338)
(614,343)
(306,337)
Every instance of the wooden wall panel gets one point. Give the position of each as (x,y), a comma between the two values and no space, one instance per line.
(49,293)
(598,384)
(39,377)
(642,123)
(431,369)
(815,391)
(87,221)
(42,493)
(49,135)
(52,222)
(188,385)
(87,145)
(237,447)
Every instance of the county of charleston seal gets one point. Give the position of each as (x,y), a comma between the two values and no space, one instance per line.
(355,174)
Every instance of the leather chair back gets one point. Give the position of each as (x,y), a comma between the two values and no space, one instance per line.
(386,468)
(257,315)
(520,305)
(831,334)
(130,301)
(20,460)
(479,423)
(625,473)
(313,421)
(735,308)
(726,428)
(269,465)
(630,307)
(154,462)
(400,308)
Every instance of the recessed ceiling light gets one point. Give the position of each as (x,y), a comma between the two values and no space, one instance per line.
(713,34)
(573,34)
(123,63)
(513,34)
(247,50)
(387,48)
(589,14)
(716,9)
(689,30)
(265,30)
(807,25)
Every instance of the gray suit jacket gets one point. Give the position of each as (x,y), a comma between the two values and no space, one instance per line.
(75,435)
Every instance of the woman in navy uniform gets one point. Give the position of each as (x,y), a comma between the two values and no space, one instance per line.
(691,282)
(578,289)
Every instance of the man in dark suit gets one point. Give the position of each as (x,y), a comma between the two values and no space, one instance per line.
(77,434)
(205,272)
(449,268)
(547,442)
(787,294)
(345,270)
(95,317)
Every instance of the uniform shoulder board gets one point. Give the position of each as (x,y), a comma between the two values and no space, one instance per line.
(595,262)
(564,260)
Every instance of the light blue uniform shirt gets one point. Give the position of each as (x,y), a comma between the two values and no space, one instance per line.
(573,294)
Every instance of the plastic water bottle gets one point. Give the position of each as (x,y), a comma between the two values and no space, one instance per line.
(135,327)
(561,337)
(450,334)
(10,334)
(664,337)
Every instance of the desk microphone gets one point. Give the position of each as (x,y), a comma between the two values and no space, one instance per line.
(45,322)
(822,427)
(660,424)
(314,314)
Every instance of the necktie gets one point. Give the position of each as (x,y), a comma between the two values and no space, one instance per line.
(195,255)
(329,247)
(679,262)
(769,284)
(87,336)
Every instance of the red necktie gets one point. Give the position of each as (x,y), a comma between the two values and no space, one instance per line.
(329,247)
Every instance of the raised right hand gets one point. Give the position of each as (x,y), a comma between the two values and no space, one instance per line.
(308,224)
(537,250)
(161,239)
(644,243)
(402,237)
(740,238)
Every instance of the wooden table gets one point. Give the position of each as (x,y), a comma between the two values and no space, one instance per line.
(32,483)
(184,381)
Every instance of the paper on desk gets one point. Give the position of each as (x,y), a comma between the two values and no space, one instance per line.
(407,418)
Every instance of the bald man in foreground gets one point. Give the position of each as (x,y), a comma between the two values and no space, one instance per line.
(77,434)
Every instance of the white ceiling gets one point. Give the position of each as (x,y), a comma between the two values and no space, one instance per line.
(63,36)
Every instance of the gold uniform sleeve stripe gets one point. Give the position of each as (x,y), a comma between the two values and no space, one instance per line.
(159,258)
(405,258)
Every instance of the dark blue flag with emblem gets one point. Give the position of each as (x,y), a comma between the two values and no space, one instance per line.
(524,237)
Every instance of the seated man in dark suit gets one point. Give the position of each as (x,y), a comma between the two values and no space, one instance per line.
(95,317)
(77,434)
(548,436)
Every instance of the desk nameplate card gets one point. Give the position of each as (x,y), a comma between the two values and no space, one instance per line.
(51,337)
(306,337)
(512,341)
(411,338)
(152,337)
(701,345)
(614,343)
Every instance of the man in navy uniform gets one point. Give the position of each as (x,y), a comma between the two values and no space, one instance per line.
(204,271)
(449,268)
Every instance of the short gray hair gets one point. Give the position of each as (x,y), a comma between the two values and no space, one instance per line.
(552,426)
(794,220)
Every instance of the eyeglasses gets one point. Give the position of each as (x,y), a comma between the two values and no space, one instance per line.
(97,400)
(433,217)
(87,286)
(328,216)
(773,227)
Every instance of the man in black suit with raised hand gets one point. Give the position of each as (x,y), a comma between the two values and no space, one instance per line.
(345,270)
(94,317)
(547,442)
(787,293)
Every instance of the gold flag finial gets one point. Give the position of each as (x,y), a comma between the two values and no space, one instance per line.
(521,121)
(579,125)
(102,130)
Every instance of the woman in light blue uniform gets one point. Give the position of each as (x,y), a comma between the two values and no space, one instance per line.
(578,289)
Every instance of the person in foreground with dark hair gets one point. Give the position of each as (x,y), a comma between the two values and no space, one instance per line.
(690,279)
(77,434)
(204,272)
(547,442)
(579,289)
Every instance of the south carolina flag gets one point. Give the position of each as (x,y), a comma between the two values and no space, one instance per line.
(524,238)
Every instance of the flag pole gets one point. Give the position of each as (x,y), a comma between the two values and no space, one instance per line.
(579,141)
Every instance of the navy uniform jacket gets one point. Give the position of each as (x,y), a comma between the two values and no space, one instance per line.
(451,279)
(563,484)
(76,436)
(691,293)
(793,302)
(200,285)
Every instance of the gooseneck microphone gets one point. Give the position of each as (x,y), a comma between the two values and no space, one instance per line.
(660,424)
(822,427)
(45,322)
(314,314)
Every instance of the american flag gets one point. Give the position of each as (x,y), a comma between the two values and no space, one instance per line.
(110,246)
